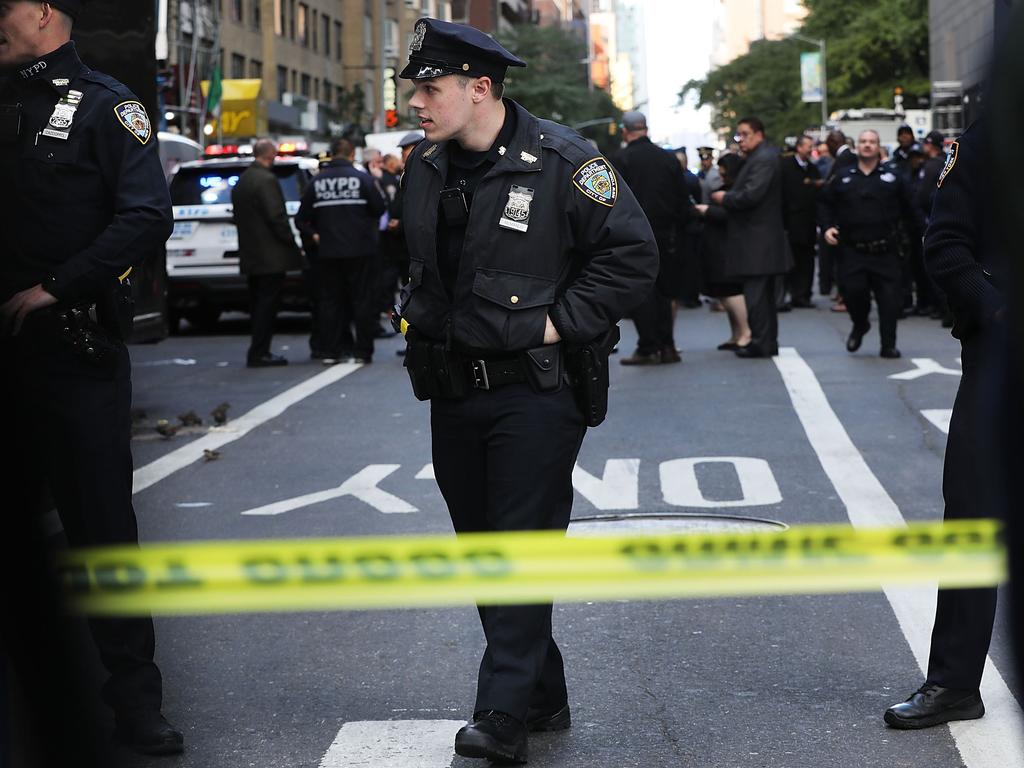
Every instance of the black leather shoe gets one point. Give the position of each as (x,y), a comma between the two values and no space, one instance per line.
(856,337)
(495,736)
(638,358)
(670,355)
(749,351)
(933,705)
(266,361)
(548,720)
(890,353)
(803,304)
(147,731)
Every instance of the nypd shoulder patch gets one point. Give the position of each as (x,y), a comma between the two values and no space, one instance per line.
(954,150)
(596,180)
(132,115)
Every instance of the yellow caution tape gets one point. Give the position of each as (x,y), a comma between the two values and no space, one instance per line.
(413,572)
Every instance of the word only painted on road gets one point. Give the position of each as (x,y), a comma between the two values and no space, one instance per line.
(508,568)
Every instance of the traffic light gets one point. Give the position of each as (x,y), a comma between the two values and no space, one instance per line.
(391,118)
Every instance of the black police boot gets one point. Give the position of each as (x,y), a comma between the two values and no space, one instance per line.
(493,735)
(890,353)
(856,337)
(548,719)
(266,361)
(148,732)
(932,705)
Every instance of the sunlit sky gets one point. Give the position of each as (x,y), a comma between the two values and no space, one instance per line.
(678,36)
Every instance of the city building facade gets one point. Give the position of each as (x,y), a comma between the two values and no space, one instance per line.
(740,22)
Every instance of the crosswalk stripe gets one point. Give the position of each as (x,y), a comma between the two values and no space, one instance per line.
(393,744)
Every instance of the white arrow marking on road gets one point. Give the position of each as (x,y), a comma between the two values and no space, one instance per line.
(427,473)
(180,458)
(393,744)
(617,488)
(680,487)
(362,486)
(173,361)
(995,741)
(939,417)
(924,366)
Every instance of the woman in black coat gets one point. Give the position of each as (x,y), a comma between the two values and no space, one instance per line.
(714,248)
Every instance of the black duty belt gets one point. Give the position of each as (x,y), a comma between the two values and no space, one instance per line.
(884,245)
(492,373)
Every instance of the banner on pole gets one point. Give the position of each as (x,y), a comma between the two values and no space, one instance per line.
(811,85)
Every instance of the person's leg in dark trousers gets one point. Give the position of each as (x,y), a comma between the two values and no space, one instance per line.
(649,319)
(856,289)
(485,448)
(826,267)
(265,297)
(801,277)
(922,284)
(329,288)
(361,281)
(884,277)
(964,617)
(759,292)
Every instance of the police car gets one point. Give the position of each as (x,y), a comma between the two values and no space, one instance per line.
(202,253)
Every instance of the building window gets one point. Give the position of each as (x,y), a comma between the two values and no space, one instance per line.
(255,69)
(237,66)
(337,40)
(303,25)
(325,34)
(328,91)
(368,37)
(316,89)
(282,82)
(257,14)
(315,24)
(306,83)
(237,11)
(391,37)
(295,81)
(291,19)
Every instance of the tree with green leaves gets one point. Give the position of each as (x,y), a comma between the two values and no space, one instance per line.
(872,46)
(554,83)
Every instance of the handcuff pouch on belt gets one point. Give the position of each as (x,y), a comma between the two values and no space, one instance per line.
(81,331)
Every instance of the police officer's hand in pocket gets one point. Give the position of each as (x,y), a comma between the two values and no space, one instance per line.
(832,236)
(15,309)
(550,334)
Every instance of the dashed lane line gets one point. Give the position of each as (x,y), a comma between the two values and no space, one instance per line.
(180,458)
(394,744)
(996,740)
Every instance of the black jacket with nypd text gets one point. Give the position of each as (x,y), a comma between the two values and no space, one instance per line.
(342,205)
(552,230)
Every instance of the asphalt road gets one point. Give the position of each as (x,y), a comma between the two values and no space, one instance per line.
(755,682)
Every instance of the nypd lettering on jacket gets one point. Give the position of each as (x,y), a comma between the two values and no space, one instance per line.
(338,190)
(551,232)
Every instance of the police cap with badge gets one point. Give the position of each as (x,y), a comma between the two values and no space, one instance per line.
(441,48)
(71,7)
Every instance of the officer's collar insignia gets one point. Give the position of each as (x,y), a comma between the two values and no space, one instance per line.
(417,37)
(596,180)
(32,71)
(846,179)
(954,151)
(430,151)
(526,157)
(132,115)
(888,177)
(60,82)
(428,71)
(517,210)
(501,151)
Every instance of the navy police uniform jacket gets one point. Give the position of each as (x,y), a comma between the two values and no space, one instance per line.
(343,205)
(82,191)
(866,207)
(552,230)
(960,248)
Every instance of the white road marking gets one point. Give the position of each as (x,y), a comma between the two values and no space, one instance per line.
(996,740)
(172,361)
(924,366)
(362,485)
(193,504)
(180,458)
(617,488)
(427,473)
(939,417)
(680,487)
(393,744)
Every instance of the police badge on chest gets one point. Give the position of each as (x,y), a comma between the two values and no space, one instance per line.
(517,210)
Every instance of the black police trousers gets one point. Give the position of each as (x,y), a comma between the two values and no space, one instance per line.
(348,297)
(964,617)
(864,274)
(653,318)
(503,460)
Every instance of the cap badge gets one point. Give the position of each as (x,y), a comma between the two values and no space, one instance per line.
(429,72)
(517,210)
(417,37)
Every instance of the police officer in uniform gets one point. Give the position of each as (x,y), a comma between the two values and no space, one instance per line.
(82,200)
(524,246)
(964,259)
(863,205)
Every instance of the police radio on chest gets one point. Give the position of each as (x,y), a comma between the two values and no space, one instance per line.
(10,121)
(454,207)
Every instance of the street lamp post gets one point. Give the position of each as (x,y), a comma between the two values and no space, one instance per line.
(824,78)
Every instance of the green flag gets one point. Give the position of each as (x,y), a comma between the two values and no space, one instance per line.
(214,93)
